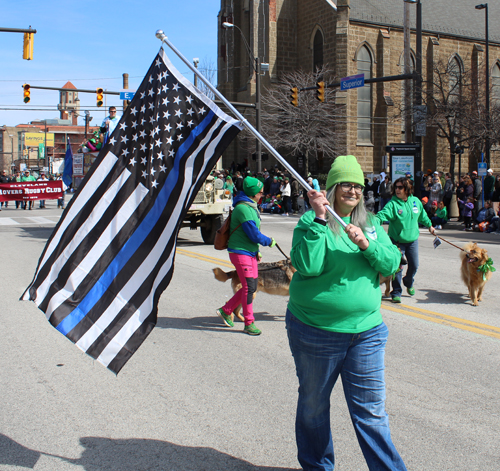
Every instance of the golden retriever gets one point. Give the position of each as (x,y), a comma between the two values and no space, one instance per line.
(473,257)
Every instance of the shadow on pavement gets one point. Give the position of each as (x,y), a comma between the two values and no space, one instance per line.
(132,455)
(210,323)
(37,232)
(441,297)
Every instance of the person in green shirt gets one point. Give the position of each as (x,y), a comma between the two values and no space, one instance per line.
(28,178)
(441,216)
(333,320)
(228,185)
(404,213)
(243,248)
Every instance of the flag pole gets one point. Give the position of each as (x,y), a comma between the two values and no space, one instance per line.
(163,38)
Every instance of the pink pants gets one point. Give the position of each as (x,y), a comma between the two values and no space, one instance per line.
(247,270)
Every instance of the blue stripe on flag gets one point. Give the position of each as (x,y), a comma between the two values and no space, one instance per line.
(130,247)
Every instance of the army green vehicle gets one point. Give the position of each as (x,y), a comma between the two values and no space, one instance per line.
(209,209)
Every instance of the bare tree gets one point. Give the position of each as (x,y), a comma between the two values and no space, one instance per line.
(309,129)
(208,70)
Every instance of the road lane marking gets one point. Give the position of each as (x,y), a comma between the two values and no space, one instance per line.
(444,319)
(8,222)
(205,258)
(412,311)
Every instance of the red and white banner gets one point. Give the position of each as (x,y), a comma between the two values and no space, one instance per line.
(26,191)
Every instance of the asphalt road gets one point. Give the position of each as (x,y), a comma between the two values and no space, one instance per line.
(199,396)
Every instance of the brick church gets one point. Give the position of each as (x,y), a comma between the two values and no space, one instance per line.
(353,37)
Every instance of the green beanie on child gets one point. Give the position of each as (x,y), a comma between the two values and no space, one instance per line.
(251,186)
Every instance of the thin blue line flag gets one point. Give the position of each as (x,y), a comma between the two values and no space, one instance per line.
(101,274)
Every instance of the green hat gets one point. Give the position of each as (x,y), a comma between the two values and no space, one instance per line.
(251,186)
(345,168)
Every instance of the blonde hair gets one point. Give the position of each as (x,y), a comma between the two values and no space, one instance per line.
(359,216)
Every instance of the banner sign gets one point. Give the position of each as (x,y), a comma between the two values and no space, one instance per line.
(26,191)
(78,165)
(32,139)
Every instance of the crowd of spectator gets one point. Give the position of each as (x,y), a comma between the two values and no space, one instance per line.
(281,190)
(436,193)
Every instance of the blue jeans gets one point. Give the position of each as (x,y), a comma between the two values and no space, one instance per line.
(411,252)
(320,357)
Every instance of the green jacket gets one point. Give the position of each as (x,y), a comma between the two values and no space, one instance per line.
(404,217)
(336,286)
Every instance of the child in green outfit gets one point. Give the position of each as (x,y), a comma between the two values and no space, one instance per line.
(441,216)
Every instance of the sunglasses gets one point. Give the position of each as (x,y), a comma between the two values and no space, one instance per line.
(399,187)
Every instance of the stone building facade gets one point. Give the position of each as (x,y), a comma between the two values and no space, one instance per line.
(354,36)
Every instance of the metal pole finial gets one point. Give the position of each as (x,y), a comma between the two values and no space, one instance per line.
(161,35)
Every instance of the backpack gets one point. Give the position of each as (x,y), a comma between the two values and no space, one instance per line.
(222,235)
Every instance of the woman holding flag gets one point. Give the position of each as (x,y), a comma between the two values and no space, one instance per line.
(334,322)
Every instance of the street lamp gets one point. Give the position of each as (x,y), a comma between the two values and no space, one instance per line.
(256,68)
(484,6)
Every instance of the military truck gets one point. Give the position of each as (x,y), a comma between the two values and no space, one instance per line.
(209,209)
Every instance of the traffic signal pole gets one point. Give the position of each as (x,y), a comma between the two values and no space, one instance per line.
(79,90)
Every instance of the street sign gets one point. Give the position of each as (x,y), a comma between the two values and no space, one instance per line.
(354,81)
(127,94)
(482,169)
(420,119)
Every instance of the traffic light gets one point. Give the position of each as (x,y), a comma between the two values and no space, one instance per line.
(28,46)
(27,93)
(320,91)
(99,96)
(294,96)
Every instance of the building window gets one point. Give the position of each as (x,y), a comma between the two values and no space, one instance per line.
(364,64)
(455,74)
(495,85)
(317,51)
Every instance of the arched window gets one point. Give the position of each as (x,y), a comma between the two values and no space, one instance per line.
(455,80)
(495,85)
(364,64)
(317,51)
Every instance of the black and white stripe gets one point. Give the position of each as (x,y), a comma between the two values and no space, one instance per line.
(110,257)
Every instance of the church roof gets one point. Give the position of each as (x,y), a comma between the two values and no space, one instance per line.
(69,85)
(455,17)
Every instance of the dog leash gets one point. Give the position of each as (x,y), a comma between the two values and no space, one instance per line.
(456,246)
(284,254)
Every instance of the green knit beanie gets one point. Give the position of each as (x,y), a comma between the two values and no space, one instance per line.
(251,186)
(345,168)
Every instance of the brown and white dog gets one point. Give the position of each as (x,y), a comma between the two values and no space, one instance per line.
(473,257)
(274,278)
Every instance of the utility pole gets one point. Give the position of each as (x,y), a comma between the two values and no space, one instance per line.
(407,70)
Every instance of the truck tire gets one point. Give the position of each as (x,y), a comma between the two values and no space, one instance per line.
(213,224)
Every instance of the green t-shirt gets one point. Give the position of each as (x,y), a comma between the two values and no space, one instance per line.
(404,217)
(336,286)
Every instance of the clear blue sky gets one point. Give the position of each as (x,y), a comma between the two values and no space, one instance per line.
(91,44)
